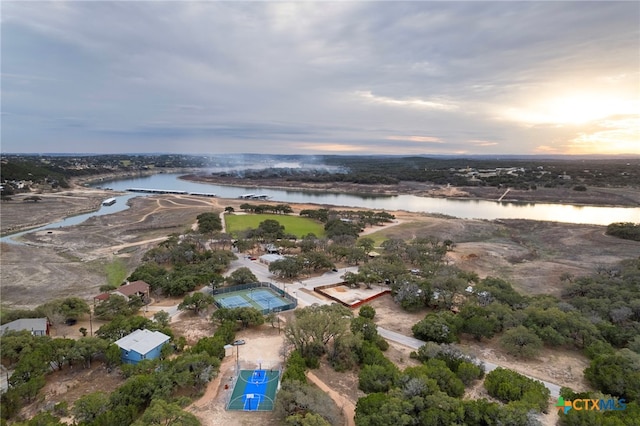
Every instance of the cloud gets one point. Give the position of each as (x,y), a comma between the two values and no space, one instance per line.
(483,143)
(286,77)
(421,139)
(413,102)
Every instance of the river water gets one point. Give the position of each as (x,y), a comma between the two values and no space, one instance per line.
(466,209)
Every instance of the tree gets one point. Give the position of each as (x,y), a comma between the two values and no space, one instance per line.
(447,380)
(366,327)
(377,378)
(161,412)
(122,325)
(448,288)
(625,230)
(308,419)
(366,244)
(617,374)
(385,409)
(479,322)
(314,260)
(86,348)
(88,407)
(247,316)
(313,327)
(113,355)
(60,351)
(114,306)
(300,399)
(501,291)
(521,342)
(213,346)
(440,328)
(411,295)
(70,308)
(209,223)
(270,230)
(507,386)
(242,275)
(289,267)
(196,302)
(367,311)
(162,318)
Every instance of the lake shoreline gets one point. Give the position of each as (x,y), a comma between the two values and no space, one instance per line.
(595,196)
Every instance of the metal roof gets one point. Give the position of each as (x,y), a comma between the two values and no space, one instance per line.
(30,324)
(142,341)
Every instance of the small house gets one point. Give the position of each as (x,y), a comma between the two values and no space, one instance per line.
(140,345)
(37,326)
(136,288)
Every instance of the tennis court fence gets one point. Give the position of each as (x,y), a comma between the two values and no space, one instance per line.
(243,287)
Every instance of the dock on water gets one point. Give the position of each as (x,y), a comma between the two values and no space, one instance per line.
(171,191)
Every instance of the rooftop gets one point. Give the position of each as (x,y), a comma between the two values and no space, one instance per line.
(142,341)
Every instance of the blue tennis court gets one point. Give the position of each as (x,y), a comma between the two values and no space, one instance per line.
(234,302)
(266,299)
(263,299)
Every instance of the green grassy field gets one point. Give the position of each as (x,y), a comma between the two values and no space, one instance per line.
(298,226)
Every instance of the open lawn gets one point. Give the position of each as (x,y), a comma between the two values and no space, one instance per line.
(298,226)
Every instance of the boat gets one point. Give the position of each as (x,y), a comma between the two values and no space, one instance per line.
(109,202)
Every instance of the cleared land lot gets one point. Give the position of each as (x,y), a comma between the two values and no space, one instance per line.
(295,225)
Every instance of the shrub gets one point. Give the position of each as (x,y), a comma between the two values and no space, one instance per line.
(508,386)
(624,230)
(367,311)
(521,342)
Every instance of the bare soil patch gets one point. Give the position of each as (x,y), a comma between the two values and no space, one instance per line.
(70,384)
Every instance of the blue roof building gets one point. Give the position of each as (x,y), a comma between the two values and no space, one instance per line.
(141,344)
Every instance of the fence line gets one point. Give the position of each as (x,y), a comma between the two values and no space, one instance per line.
(275,289)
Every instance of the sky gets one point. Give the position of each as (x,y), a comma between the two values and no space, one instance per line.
(346,77)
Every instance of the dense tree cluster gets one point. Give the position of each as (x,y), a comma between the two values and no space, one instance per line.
(625,230)
(266,208)
(209,223)
(179,265)
(509,386)
(154,391)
